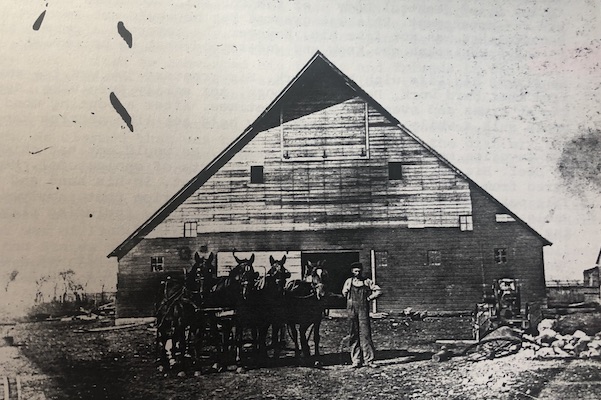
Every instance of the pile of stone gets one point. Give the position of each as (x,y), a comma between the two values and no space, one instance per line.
(549,343)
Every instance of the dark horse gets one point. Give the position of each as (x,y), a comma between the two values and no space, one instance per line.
(179,315)
(269,307)
(304,300)
(235,292)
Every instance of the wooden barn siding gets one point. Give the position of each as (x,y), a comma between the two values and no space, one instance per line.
(328,194)
(407,281)
(138,287)
(524,249)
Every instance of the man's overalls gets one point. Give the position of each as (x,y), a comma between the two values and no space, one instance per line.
(362,347)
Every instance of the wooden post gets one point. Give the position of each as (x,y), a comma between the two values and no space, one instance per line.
(373,277)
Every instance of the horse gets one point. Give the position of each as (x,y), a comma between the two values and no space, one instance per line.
(234,292)
(272,305)
(304,300)
(179,315)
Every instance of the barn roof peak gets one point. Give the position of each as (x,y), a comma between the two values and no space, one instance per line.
(317,67)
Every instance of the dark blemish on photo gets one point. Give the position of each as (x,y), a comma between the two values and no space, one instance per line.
(125,34)
(121,110)
(91,215)
(38,22)
(39,151)
(579,164)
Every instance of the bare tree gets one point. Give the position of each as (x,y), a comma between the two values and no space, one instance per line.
(11,278)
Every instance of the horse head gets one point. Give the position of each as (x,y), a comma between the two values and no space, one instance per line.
(317,276)
(244,274)
(198,278)
(278,273)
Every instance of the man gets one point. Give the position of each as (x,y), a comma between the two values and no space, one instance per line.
(359,291)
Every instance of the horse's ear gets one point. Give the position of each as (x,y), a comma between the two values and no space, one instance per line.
(210,259)
(272,260)
(237,259)
(197,257)
(252,258)
(283,260)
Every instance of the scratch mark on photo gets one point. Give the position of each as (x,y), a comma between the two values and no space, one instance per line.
(121,110)
(38,22)
(125,34)
(39,151)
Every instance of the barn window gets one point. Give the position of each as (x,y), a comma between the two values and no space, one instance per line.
(504,218)
(157,264)
(501,255)
(256,174)
(190,229)
(434,257)
(466,223)
(395,171)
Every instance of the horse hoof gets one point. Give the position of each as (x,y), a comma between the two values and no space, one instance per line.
(240,370)
(197,373)
(181,374)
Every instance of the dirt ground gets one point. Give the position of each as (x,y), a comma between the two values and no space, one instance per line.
(56,360)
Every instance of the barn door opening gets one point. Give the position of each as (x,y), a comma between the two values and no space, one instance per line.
(338,265)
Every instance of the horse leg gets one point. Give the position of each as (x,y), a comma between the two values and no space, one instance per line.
(161,343)
(316,336)
(294,334)
(304,328)
(262,340)
(239,342)
(177,347)
(276,339)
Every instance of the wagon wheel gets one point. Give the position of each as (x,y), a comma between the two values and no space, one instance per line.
(489,348)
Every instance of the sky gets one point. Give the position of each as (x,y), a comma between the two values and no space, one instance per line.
(507,91)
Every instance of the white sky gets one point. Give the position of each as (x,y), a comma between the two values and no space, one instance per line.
(498,88)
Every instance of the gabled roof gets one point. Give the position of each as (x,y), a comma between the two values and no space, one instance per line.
(320,66)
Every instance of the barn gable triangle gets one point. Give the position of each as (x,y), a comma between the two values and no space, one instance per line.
(318,86)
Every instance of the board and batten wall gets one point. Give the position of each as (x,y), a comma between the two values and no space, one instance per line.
(329,193)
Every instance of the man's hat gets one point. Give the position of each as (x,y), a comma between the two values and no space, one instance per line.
(357,265)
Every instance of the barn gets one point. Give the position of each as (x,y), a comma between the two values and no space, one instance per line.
(325,172)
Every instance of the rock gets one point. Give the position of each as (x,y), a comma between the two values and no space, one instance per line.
(528,338)
(582,345)
(560,352)
(527,353)
(546,324)
(545,352)
(569,347)
(595,344)
(580,335)
(594,352)
(547,335)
